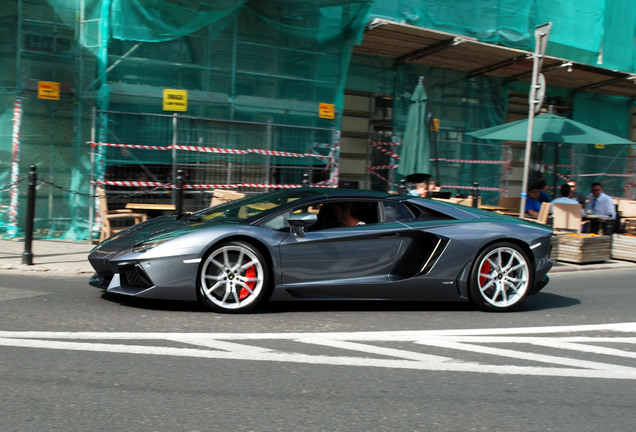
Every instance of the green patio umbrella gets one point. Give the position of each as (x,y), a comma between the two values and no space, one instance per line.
(550,128)
(416,148)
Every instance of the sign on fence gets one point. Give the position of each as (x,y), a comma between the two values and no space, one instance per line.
(175,100)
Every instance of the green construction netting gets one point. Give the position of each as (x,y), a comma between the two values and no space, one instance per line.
(609,26)
(461,106)
(266,64)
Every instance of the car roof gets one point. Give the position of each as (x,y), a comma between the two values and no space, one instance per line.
(349,193)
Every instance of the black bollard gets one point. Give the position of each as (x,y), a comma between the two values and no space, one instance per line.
(475,195)
(179,193)
(27,255)
(403,190)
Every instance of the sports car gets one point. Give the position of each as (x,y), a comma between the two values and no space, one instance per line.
(294,244)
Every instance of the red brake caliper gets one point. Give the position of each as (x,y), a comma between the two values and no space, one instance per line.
(485,268)
(250,273)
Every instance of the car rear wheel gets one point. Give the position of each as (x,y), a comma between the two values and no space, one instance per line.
(501,278)
(233,278)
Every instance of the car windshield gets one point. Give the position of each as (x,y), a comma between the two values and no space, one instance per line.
(252,206)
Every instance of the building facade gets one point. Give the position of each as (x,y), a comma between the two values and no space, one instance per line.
(253,95)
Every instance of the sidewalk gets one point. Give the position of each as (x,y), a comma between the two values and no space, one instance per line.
(65,256)
(60,256)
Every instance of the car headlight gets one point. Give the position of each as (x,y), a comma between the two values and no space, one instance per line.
(144,245)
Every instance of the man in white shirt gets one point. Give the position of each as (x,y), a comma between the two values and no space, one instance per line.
(600,203)
(346,215)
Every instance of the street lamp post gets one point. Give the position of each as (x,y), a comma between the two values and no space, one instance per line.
(541,34)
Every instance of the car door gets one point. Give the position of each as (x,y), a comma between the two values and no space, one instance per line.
(336,261)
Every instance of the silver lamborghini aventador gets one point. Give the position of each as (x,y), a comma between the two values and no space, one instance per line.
(294,244)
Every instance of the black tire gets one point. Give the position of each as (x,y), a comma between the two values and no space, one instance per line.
(233,278)
(501,278)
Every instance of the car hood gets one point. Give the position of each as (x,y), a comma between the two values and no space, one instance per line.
(157,228)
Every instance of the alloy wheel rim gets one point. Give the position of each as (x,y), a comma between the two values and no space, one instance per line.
(503,277)
(232,277)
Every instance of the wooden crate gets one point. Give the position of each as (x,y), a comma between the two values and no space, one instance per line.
(624,247)
(583,248)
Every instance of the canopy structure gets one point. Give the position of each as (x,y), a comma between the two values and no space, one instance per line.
(411,44)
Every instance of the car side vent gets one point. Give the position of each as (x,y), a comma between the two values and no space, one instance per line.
(434,257)
(133,276)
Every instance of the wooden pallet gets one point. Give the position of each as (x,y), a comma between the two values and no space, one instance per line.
(583,248)
(624,247)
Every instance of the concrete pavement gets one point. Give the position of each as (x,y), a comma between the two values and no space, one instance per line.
(63,256)
(70,257)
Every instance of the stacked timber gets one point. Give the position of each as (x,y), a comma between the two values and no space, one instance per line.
(554,252)
(624,247)
(583,248)
(629,226)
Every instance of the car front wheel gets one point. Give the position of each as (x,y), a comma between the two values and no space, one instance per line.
(233,278)
(501,278)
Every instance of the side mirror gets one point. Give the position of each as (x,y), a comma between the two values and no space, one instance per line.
(299,221)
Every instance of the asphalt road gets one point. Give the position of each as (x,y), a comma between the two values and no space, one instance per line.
(72,358)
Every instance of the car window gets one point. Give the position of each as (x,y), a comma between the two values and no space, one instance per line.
(253,206)
(396,211)
(364,213)
(279,223)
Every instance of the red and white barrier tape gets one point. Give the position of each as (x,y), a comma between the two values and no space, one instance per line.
(383,143)
(130,183)
(212,150)
(604,175)
(390,183)
(133,146)
(126,183)
(15,166)
(473,161)
(380,147)
(379,167)
(561,176)
(481,188)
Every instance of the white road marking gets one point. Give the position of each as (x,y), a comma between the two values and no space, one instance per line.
(368,349)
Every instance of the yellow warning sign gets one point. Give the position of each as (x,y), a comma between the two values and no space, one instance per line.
(48,90)
(327,111)
(175,100)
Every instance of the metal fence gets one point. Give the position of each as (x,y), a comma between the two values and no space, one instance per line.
(142,153)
